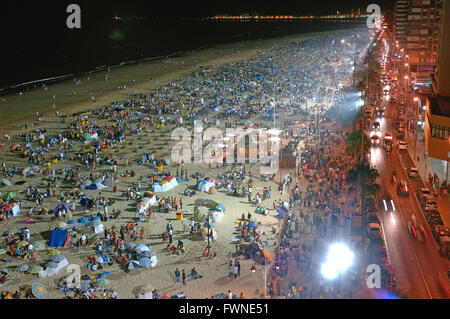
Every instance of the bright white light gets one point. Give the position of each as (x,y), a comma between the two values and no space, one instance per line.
(393,218)
(339,258)
(393,206)
(360,93)
(387,97)
(343,41)
(385,206)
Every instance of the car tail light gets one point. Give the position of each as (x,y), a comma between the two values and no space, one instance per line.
(424,232)
(443,282)
(414,230)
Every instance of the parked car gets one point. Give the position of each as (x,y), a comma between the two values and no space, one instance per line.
(429,203)
(374,230)
(423,193)
(433,217)
(413,172)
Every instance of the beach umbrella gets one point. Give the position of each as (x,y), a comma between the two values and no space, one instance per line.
(6,207)
(147,253)
(38,290)
(10,195)
(131,265)
(130,246)
(89,277)
(35,269)
(39,245)
(145,262)
(145,288)
(23,268)
(102,282)
(52,252)
(6,182)
(23,243)
(141,248)
(103,274)
(85,286)
(57,258)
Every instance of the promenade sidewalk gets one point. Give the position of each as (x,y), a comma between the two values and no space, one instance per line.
(425,166)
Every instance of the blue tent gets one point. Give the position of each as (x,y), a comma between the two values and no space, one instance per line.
(83,220)
(58,238)
(281,213)
(64,206)
(84,201)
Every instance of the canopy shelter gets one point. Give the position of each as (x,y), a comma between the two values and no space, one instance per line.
(58,238)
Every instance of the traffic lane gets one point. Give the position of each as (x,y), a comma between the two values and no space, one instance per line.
(397,241)
(417,183)
(428,258)
(426,251)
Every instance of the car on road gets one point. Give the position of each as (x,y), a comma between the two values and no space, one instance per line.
(375,139)
(376,126)
(374,231)
(402,189)
(413,172)
(401,145)
(416,231)
(388,205)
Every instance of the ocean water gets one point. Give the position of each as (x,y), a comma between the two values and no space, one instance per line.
(61,55)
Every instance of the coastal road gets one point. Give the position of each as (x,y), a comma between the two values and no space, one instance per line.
(416,263)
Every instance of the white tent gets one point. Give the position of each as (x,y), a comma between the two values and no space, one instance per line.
(16,209)
(171,183)
(152,200)
(205,186)
(52,268)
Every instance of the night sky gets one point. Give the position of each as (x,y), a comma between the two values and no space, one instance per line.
(35,32)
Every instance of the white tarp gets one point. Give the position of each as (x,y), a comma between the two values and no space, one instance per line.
(157,188)
(52,271)
(16,209)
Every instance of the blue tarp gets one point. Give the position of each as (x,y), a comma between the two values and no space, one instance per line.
(58,238)
(84,201)
(281,213)
(83,220)
(94,218)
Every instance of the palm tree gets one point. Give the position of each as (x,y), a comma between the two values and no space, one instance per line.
(353,143)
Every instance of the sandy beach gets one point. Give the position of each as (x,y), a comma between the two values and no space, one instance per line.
(72,97)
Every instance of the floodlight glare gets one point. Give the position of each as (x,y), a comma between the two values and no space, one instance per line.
(339,259)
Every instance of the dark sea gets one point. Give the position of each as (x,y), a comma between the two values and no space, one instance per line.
(54,56)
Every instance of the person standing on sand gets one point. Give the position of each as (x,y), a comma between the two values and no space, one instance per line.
(177,276)
(183,277)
